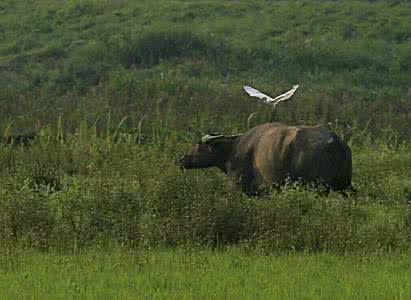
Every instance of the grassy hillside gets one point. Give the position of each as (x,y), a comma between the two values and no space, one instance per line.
(170,60)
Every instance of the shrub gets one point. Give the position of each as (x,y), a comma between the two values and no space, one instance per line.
(150,48)
(297,218)
(86,67)
(197,209)
(96,209)
(26,217)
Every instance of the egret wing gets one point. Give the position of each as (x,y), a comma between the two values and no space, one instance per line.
(256,93)
(286,95)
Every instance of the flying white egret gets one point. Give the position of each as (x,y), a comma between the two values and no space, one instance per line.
(267,99)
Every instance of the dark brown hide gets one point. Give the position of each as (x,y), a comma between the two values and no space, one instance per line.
(270,153)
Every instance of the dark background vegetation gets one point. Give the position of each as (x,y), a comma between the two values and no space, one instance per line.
(115,89)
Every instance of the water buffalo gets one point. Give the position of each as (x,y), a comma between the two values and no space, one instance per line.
(270,153)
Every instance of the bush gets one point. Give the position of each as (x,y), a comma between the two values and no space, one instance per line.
(197,209)
(26,217)
(297,218)
(86,67)
(97,209)
(150,48)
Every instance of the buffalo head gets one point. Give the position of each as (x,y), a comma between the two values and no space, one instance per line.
(211,151)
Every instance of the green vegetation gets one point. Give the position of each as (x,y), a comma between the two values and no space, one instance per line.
(114,90)
(185,62)
(89,190)
(198,274)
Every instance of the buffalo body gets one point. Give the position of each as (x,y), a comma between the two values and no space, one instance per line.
(272,153)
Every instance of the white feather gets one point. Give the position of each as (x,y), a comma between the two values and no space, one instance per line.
(256,93)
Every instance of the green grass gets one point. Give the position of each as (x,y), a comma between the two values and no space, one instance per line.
(203,274)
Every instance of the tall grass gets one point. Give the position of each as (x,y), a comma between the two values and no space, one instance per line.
(94,187)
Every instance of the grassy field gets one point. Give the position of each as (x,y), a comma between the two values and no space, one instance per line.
(202,274)
(114,93)
(116,90)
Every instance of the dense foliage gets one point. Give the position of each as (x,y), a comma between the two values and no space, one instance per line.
(92,190)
